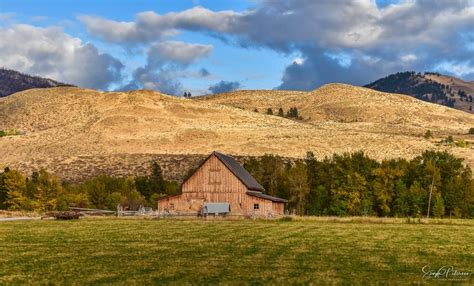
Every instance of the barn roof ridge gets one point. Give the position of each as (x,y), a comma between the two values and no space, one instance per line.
(239,171)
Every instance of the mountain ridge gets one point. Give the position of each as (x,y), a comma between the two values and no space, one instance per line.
(430,87)
(12,81)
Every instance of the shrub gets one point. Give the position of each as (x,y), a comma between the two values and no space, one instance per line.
(471,130)
(428,134)
(449,140)
(286,218)
(461,143)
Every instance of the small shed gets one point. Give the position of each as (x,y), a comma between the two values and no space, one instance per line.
(209,208)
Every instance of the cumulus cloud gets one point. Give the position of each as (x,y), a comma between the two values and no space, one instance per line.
(166,62)
(149,26)
(51,53)
(355,42)
(177,52)
(224,86)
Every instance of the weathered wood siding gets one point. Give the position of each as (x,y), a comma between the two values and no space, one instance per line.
(176,204)
(213,177)
(278,208)
(264,206)
(214,182)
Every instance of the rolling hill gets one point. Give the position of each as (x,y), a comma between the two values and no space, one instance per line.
(431,87)
(12,81)
(77,133)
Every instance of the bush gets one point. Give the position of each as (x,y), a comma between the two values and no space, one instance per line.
(428,134)
(461,143)
(286,218)
(10,132)
(471,130)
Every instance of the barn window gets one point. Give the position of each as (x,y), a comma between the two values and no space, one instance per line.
(214,176)
(256,206)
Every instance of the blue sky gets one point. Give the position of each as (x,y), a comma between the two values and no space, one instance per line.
(195,45)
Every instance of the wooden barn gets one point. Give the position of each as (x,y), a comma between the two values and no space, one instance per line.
(220,185)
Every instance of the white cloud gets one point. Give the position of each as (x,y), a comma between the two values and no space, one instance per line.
(49,52)
(150,27)
(178,52)
(166,62)
(298,60)
(457,68)
(408,58)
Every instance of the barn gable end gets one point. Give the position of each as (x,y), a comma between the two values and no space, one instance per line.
(221,179)
(213,176)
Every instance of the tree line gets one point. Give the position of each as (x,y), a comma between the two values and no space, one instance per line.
(42,191)
(350,184)
(357,185)
(291,113)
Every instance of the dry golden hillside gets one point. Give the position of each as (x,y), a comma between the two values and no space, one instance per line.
(341,103)
(73,131)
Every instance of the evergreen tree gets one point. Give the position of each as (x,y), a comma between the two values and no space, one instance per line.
(428,134)
(97,192)
(298,183)
(401,206)
(438,206)
(156,178)
(280,112)
(269,111)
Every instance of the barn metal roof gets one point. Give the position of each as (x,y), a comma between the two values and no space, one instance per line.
(239,171)
(266,197)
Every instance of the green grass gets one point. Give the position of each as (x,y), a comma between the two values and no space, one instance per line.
(181,252)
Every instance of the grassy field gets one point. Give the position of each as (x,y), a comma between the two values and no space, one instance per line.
(180,252)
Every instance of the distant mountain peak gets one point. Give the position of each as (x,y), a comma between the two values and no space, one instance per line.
(13,81)
(429,86)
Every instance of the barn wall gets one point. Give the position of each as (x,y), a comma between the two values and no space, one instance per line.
(214,182)
(278,208)
(176,204)
(265,206)
(213,177)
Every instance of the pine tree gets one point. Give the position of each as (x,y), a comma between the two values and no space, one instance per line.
(428,134)
(298,183)
(156,178)
(269,111)
(280,112)
(438,206)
